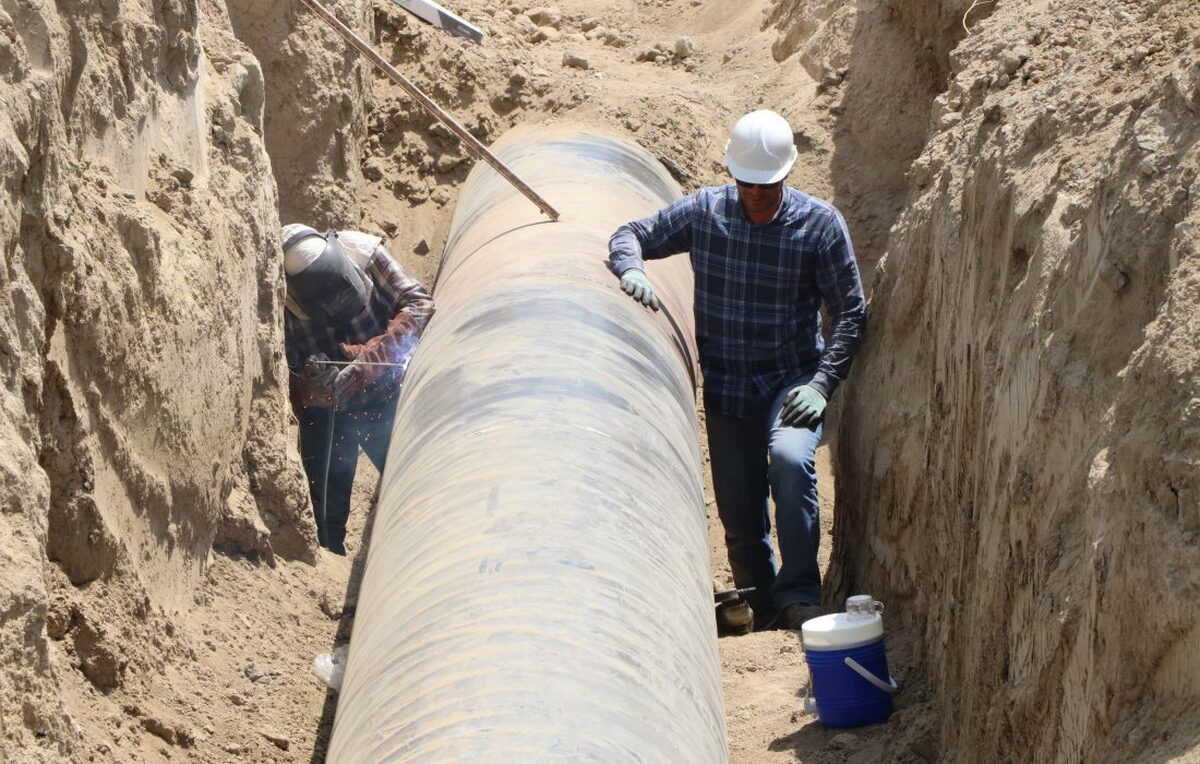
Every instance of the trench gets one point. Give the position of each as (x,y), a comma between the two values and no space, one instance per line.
(1018,429)
(867,179)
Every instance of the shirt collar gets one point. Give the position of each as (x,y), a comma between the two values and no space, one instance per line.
(784,204)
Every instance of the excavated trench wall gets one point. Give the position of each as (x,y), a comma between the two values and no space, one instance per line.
(316,89)
(879,65)
(141,377)
(1019,455)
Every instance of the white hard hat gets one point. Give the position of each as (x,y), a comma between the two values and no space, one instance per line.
(302,245)
(761,149)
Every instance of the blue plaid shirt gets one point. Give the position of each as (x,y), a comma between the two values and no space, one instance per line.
(759,290)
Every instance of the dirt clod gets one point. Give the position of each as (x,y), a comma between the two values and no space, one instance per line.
(279,741)
(545,17)
(575,61)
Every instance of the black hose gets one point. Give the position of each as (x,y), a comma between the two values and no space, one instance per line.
(325,477)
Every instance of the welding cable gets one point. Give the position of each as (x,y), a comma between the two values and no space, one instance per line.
(324,529)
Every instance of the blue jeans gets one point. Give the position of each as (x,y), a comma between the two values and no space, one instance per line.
(329,446)
(757,456)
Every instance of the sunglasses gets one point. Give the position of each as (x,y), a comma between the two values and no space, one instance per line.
(743,184)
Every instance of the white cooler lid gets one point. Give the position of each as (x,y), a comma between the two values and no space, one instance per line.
(837,630)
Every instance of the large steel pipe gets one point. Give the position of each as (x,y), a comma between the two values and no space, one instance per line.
(538,586)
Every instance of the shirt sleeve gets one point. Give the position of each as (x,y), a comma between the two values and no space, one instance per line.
(298,342)
(841,289)
(406,294)
(666,232)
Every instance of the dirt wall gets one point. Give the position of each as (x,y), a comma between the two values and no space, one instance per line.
(1019,458)
(316,88)
(878,65)
(140,351)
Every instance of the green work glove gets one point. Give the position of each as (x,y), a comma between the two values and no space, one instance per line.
(803,407)
(635,284)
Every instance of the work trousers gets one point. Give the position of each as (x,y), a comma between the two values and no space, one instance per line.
(754,457)
(329,443)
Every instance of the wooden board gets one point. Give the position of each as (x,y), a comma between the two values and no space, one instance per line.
(432,13)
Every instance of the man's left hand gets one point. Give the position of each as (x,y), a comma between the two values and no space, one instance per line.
(803,407)
(352,380)
(359,374)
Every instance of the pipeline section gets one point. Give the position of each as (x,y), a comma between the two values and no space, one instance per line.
(538,585)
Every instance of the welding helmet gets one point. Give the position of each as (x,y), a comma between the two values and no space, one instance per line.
(322,280)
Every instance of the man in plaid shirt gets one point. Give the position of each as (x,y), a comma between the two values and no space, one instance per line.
(765,257)
(352,322)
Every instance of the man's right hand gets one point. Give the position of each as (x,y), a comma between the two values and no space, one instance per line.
(635,284)
(315,385)
(803,407)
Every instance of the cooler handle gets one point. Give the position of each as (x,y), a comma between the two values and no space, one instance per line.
(890,686)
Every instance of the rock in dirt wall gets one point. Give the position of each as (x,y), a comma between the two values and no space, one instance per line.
(1019,459)
(141,379)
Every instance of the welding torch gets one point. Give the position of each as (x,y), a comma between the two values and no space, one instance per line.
(325,362)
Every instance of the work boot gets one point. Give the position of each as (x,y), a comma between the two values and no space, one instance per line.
(734,618)
(764,619)
(793,615)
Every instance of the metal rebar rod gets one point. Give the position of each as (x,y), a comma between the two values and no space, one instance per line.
(473,143)
(357,363)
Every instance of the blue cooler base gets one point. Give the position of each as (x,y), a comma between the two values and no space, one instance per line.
(845,699)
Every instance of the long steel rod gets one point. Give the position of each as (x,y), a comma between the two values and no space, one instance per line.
(427,103)
(358,363)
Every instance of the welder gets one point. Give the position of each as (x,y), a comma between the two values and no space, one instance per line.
(353,319)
